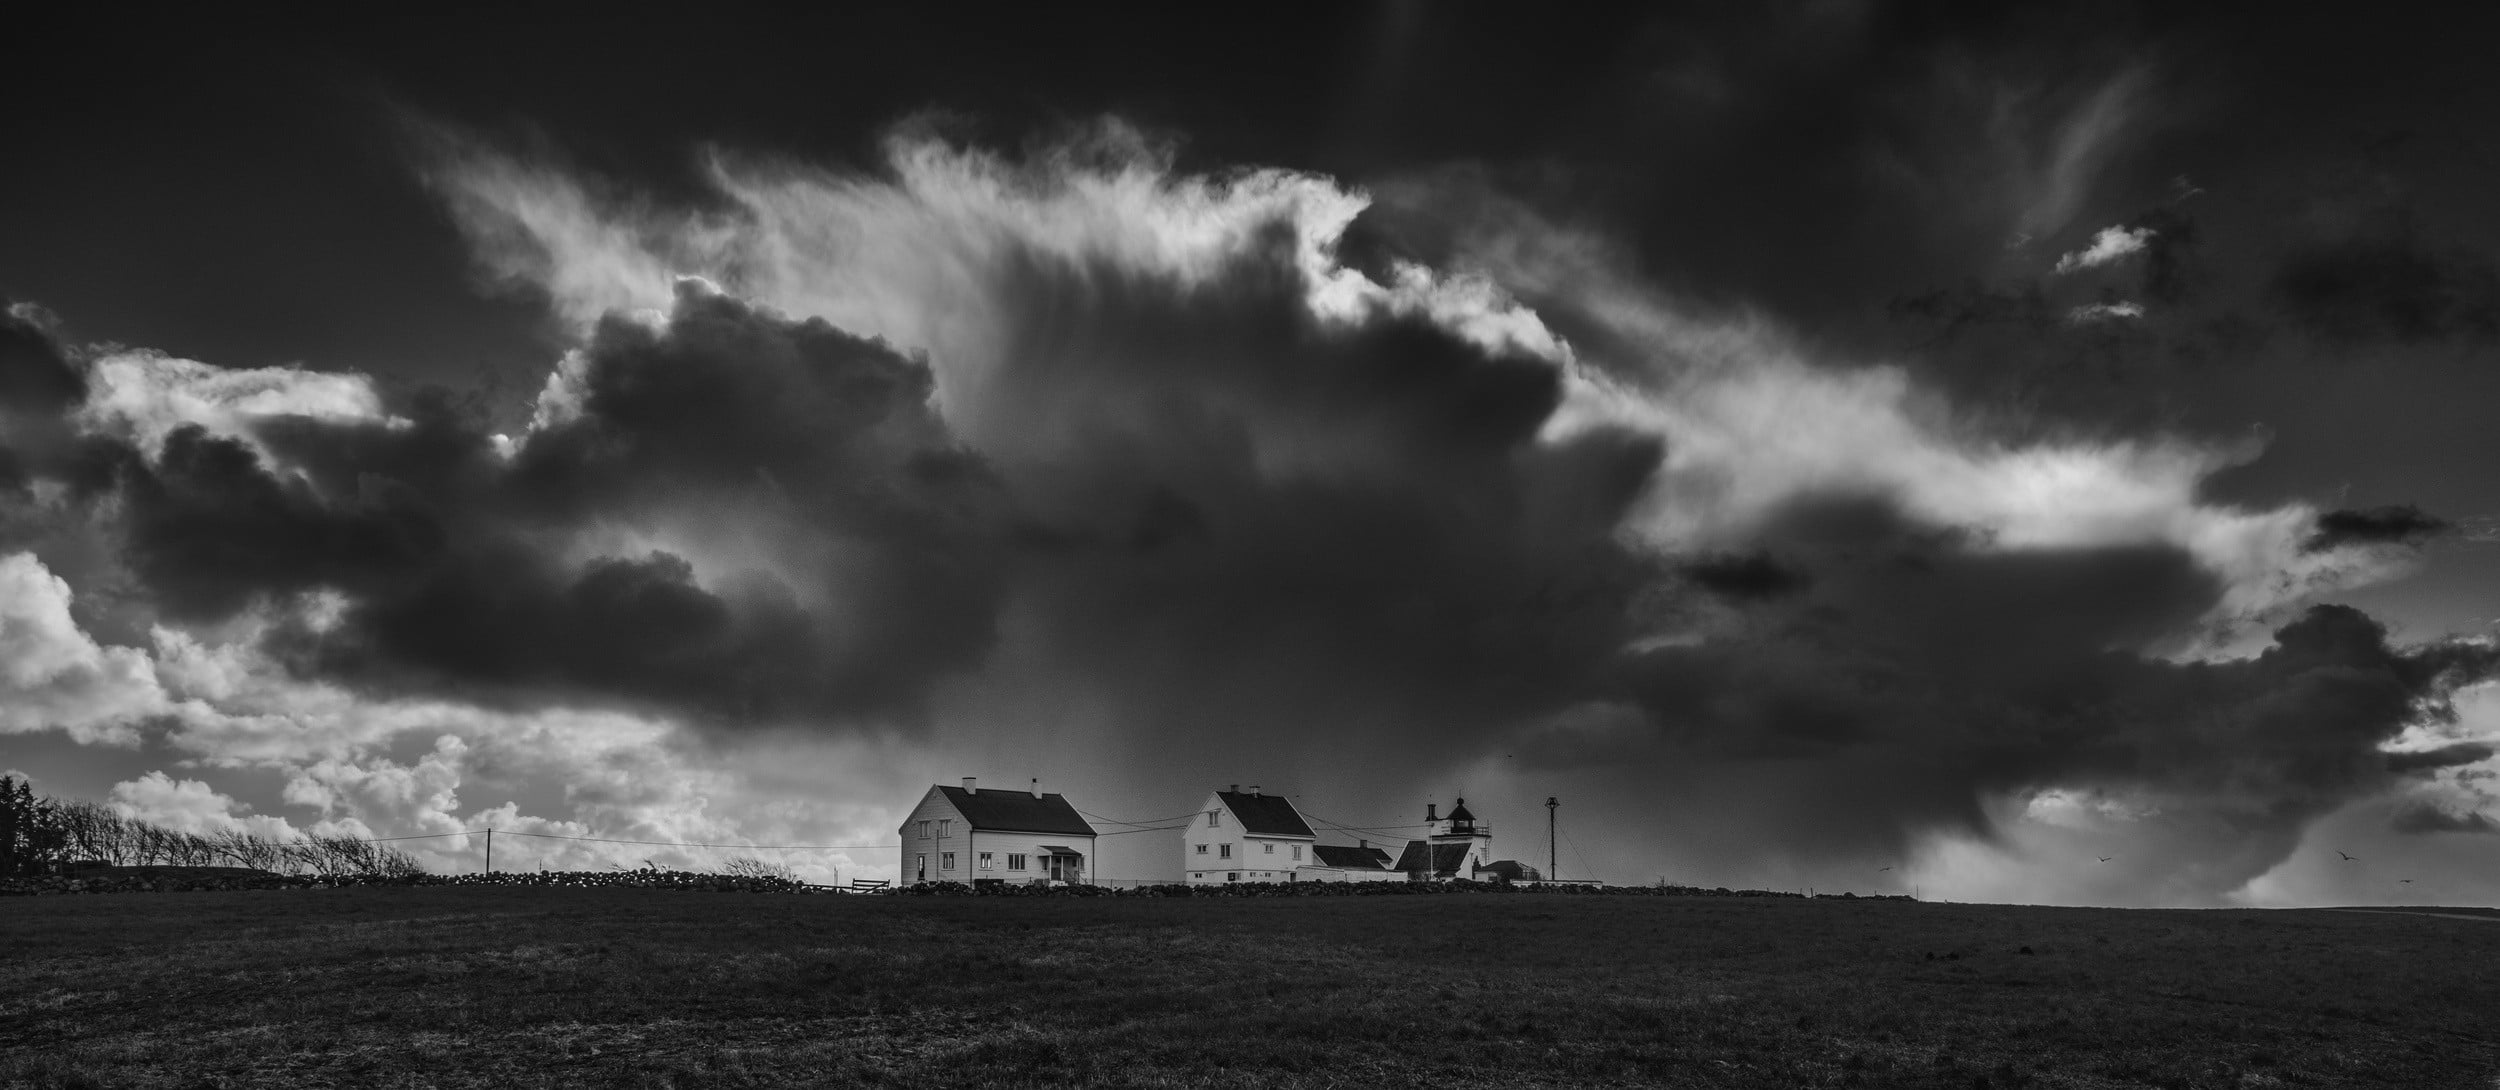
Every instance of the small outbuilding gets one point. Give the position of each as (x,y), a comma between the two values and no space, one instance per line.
(1359,862)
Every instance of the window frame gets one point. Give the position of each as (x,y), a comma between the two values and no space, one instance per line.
(946,861)
(1016,860)
(987,860)
(1226,852)
(924,828)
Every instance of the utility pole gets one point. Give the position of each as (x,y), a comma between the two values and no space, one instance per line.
(1553,863)
(490,849)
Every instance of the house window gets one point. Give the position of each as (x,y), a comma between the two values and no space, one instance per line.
(1202,849)
(1271,848)
(1226,851)
(987,863)
(1015,861)
(946,860)
(924,830)
(1297,853)
(1215,818)
(1232,876)
(946,827)
(1197,874)
(923,860)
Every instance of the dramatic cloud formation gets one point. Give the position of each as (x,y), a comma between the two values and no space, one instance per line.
(1080,445)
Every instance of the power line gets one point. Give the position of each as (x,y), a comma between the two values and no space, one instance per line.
(1386,832)
(1149,829)
(1585,868)
(419,836)
(1150,821)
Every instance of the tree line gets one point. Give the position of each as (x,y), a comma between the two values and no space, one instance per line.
(42,835)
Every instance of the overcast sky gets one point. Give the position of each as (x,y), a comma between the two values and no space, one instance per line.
(2036,457)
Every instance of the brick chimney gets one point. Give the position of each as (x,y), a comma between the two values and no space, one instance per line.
(1254,790)
(1235,789)
(1429,807)
(969,789)
(1037,787)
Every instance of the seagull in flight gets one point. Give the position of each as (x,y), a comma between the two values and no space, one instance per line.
(2107,858)
(2347,858)
(1880,870)
(2406,881)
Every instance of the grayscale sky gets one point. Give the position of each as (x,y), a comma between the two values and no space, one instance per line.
(1809,439)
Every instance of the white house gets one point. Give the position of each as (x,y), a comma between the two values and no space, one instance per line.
(1245,837)
(964,834)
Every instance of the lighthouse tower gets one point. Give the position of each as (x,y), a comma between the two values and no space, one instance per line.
(1459,845)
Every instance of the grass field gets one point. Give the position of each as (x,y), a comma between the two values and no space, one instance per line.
(498,987)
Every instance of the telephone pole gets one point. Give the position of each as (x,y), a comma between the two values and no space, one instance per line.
(490,849)
(1553,863)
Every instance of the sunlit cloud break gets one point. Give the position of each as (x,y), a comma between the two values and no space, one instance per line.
(2111,244)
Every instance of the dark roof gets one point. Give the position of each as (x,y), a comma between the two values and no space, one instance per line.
(1446,858)
(1459,812)
(1266,815)
(1350,857)
(1513,870)
(1017,811)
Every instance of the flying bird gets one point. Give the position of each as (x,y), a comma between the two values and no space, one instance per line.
(2107,858)
(1880,870)
(2406,881)
(2347,858)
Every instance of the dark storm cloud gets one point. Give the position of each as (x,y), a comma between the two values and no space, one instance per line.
(1258,517)
(1945,676)
(467,573)
(1745,575)
(2396,524)
(2388,285)
(41,382)
(36,375)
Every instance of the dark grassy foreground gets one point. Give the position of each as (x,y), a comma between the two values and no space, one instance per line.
(490,987)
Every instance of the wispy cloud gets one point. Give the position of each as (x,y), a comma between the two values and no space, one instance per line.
(2111,244)
(2090,313)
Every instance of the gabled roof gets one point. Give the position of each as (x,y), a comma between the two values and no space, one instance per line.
(1460,813)
(1266,815)
(1446,858)
(1350,857)
(1017,811)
